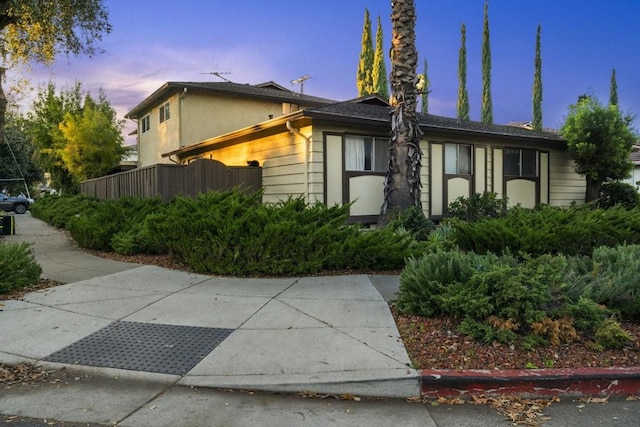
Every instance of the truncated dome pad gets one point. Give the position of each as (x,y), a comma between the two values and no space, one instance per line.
(165,349)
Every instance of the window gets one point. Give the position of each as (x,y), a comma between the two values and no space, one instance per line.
(457,159)
(165,113)
(364,153)
(145,123)
(519,162)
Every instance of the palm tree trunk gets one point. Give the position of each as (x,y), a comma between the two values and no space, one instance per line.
(402,187)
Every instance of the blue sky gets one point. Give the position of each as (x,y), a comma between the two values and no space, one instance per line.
(255,41)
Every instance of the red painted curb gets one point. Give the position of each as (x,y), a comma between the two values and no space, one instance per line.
(585,382)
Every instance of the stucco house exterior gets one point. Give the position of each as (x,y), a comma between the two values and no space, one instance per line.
(179,114)
(634,158)
(337,152)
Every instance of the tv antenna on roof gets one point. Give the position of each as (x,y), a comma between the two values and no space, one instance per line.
(219,74)
(300,81)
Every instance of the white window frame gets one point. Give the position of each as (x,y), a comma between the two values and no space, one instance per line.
(145,123)
(452,154)
(165,112)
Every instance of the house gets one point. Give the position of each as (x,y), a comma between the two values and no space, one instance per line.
(338,153)
(180,114)
(634,158)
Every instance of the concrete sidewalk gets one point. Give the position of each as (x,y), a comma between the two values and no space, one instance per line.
(321,334)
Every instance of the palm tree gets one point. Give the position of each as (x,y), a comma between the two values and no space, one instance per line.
(402,187)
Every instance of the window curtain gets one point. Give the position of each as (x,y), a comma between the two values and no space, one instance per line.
(354,153)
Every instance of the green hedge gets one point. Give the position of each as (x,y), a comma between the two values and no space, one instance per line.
(18,267)
(550,230)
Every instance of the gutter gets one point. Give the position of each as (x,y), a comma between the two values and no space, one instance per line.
(307,146)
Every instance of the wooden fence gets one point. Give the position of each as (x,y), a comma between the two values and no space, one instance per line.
(169,180)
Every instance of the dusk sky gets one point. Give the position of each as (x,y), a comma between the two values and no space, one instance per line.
(155,41)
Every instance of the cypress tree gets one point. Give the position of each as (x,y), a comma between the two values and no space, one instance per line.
(536,123)
(487,108)
(424,96)
(613,91)
(364,77)
(379,75)
(463,95)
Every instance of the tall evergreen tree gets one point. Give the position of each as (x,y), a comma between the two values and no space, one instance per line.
(379,76)
(463,95)
(613,91)
(536,123)
(424,95)
(487,107)
(364,77)
(402,187)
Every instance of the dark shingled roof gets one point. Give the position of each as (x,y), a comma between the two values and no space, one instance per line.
(367,109)
(269,91)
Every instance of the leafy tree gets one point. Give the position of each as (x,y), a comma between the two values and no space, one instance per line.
(16,158)
(463,95)
(75,136)
(487,106)
(47,112)
(39,30)
(537,86)
(599,140)
(92,140)
(365,66)
(402,187)
(613,91)
(379,75)
(424,94)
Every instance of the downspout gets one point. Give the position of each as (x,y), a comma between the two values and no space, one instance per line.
(307,146)
(180,125)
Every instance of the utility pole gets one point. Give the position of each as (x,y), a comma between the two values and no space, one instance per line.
(300,81)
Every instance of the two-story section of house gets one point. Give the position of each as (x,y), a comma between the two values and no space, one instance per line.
(180,114)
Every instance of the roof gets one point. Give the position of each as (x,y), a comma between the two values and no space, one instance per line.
(268,91)
(373,109)
(355,110)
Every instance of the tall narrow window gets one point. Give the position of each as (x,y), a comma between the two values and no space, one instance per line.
(145,123)
(457,159)
(165,112)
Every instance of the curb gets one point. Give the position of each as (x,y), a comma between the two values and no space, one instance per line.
(540,383)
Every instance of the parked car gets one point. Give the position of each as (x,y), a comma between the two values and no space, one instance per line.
(18,205)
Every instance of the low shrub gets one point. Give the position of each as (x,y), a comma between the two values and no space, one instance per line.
(234,233)
(18,266)
(531,300)
(477,206)
(614,280)
(57,211)
(414,222)
(576,230)
(610,334)
(618,193)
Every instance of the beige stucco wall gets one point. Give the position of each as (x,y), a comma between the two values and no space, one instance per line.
(207,116)
(195,118)
(161,137)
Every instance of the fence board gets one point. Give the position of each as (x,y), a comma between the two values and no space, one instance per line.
(167,181)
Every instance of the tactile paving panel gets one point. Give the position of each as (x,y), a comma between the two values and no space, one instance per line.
(149,347)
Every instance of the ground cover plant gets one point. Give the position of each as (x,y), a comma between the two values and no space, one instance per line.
(232,233)
(18,268)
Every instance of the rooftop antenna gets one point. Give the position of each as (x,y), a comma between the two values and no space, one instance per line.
(300,81)
(219,74)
